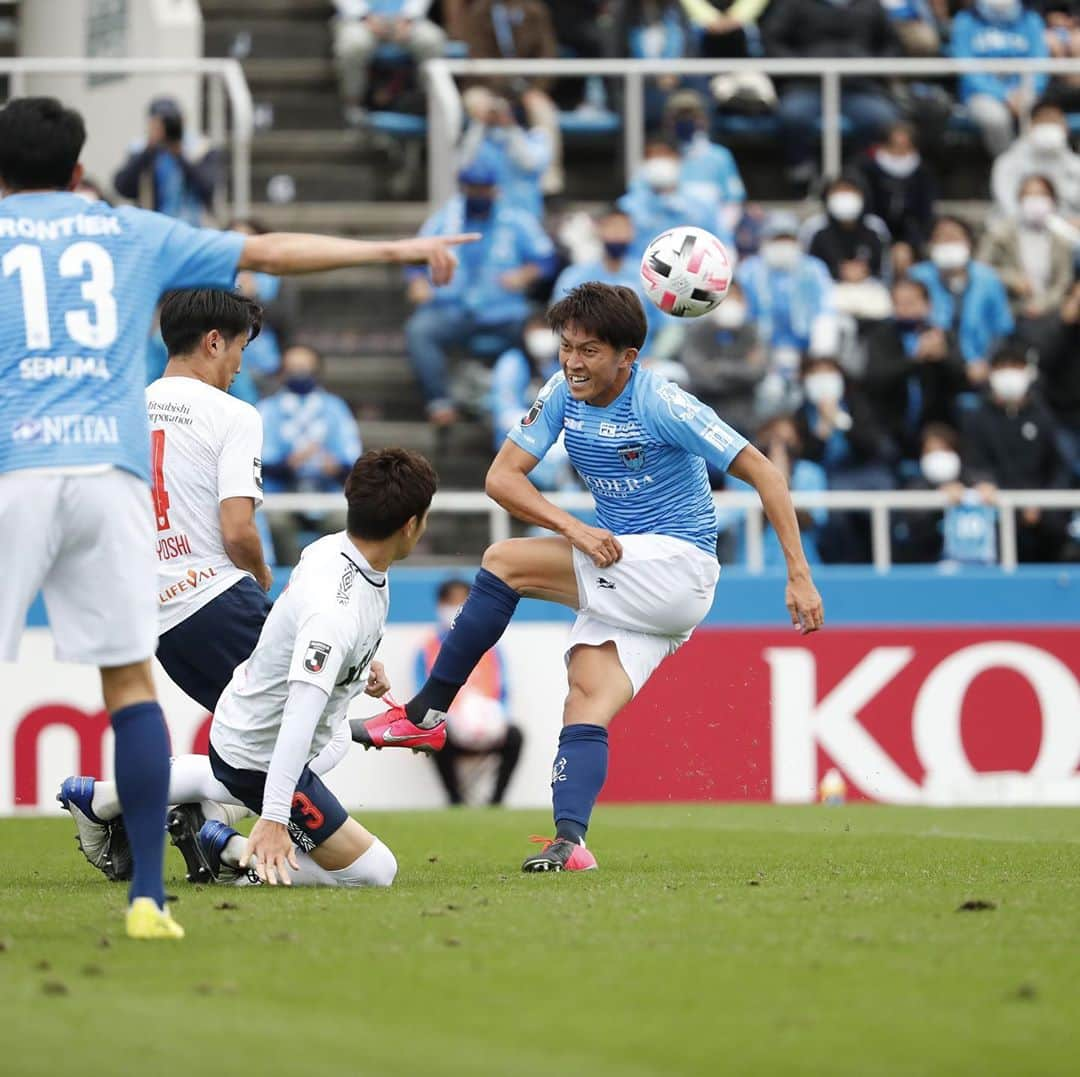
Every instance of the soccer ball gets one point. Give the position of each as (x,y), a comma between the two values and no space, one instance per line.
(686,271)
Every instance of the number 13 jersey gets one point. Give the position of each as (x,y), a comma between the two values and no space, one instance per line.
(79,282)
(205,446)
(324,629)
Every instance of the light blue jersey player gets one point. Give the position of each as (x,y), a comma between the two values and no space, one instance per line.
(78,287)
(641,581)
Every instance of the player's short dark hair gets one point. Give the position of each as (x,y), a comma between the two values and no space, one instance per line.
(385,489)
(40,143)
(453,584)
(189,314)
(612,312)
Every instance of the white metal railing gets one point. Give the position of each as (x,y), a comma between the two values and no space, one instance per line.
(880,504)
(445,108)
(224,79)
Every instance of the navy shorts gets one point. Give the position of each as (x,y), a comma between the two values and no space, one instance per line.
(316,812)
(200,653)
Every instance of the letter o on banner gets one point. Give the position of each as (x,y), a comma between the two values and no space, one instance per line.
(938,707)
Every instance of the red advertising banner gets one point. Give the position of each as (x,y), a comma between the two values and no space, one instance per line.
(915,716)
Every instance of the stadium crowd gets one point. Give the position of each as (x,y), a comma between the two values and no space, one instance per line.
(873,343)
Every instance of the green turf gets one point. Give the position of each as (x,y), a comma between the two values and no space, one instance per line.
(714,940)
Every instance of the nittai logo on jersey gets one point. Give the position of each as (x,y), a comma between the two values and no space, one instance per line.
(67,430)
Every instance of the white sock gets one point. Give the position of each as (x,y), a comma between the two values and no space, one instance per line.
(229,814)
(375,867)
(191,780)
(234,851)
(105,803)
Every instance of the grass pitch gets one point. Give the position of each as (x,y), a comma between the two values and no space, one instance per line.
(713,940)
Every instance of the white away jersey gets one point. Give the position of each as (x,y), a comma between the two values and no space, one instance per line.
(324,629)
(205,446)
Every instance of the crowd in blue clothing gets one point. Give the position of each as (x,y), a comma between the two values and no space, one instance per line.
(874,343)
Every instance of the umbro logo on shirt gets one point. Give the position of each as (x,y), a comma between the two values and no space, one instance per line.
(604,583)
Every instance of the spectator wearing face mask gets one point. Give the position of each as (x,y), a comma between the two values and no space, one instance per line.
(617,264)
(1059,372)
(914,369)
(781,441)
(998,29)
(505,136)
(656,202)
(967,297)
(310,443)
(966,531)
(839,432)
(487,294)
(1043,151)
(900,191)
(1033,259)
(853,245)
(839,429)
(1013,442)
(517,377)
(709,173)
(725,362)
(786,291)
(477,724)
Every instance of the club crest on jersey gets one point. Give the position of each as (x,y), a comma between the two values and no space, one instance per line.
(316,656)
(633,456)
(534,412)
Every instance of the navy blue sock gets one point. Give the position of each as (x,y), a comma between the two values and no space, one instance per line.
(142,783)
(477,628)
(577,778)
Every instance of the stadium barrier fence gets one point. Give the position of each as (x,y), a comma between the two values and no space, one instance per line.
(880,504)
(445,112)
(225,86)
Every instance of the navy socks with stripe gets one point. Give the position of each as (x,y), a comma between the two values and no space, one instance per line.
(577,777)
(477,628)
(142,784)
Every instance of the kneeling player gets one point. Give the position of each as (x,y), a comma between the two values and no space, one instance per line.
(284,703)
(641,581)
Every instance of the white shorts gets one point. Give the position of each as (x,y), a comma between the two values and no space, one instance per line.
(87,541)
(647,603)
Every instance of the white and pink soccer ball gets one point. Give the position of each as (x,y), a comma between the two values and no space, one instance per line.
(687,271)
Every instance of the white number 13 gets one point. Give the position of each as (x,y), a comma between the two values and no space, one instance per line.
(91,331)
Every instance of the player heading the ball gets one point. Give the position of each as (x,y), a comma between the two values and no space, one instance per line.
(641,581)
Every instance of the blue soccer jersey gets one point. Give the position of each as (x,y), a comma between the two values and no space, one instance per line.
(643,456)
(79,282)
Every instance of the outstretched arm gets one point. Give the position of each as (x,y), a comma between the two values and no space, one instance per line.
(283,253)
(508,483)
(801,596)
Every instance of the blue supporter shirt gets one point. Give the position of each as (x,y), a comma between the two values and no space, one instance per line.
(643,456)
(509,240)
(293,422)
(79,282)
